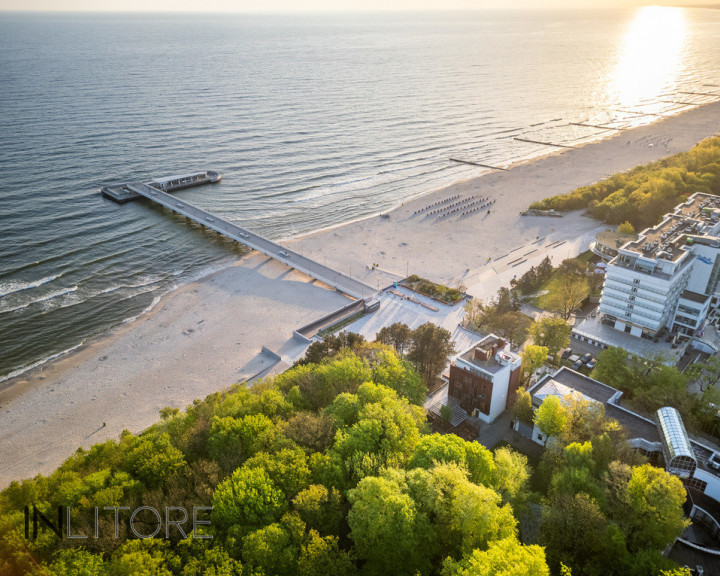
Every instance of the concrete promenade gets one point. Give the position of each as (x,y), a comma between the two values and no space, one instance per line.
(331,277)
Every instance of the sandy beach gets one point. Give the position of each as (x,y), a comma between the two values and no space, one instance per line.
(207,335)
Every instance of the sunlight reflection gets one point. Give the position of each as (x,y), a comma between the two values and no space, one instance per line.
(651,56)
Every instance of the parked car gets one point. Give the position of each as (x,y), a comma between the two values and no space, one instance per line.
(586,358)
(574,358)
(566,353)
(577,365)
(591,364)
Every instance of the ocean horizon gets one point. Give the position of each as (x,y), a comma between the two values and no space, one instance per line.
(312,120)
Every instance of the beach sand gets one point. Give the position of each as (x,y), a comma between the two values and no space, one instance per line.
(199,339)
(207,335)
(456,249)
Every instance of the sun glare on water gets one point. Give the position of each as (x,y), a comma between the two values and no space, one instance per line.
(651,56)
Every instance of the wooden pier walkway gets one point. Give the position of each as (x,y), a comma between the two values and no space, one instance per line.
(328,276)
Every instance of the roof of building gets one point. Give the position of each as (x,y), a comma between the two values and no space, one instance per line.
(554,388)
(673,434)
(686,555)
(693,219)
(614,239)
(635,425)
(594,329)
(588,387)
(488,344)
(694,297)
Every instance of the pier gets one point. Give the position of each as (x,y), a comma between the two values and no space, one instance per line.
(328,276)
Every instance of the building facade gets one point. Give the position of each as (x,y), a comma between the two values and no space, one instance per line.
(485,378)
(667,279)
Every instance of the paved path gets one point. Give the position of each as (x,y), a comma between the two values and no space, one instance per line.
(339,281)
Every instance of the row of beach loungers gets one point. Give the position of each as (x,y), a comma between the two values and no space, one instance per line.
(440,203)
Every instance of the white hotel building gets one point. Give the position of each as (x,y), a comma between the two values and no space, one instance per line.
(667,279)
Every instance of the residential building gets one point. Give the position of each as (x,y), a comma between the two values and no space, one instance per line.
(485,377)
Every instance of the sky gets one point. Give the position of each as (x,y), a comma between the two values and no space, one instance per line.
(318,5)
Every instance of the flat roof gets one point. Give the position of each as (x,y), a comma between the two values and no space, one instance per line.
(635,425)
(594,329)
(490,365)
(694,297)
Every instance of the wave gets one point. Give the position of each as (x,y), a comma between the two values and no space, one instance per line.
(24,369)
(15,286)
(141,284)
(40,300)
(145,310)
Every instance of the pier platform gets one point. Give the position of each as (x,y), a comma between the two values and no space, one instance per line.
(123,193)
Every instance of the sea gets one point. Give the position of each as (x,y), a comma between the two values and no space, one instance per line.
(312,120)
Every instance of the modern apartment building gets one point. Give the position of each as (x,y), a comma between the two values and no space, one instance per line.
(485,377)
(667,279)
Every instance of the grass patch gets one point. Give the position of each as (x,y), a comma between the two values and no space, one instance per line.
(432,290)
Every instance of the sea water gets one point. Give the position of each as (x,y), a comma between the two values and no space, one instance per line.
(312,120)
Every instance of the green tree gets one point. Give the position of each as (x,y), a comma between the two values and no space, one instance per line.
(398,374)
(554,333)
(449,448)
(322,556)
(626,228)
(430,350)
(551,417)
(321,508)
(310,430)
(390,534)
(248,498)
(502,558)
(387,431)
(140,558)
(397,335)
(522,409)
(655,516)
(705,374)
(329,346)
(511,473)
(571,289)
(274,549)
(213,561)
(154,459)
(287,469)
(575,532)
(533,357)
(76,562)
(479,517)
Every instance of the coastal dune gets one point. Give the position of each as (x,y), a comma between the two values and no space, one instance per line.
(207,335)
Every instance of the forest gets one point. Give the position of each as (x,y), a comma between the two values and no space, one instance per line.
(644,194)
(331,469)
